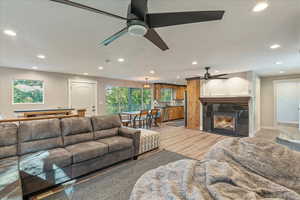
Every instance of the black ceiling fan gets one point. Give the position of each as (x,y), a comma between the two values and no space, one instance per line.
(142,23)
(208,76)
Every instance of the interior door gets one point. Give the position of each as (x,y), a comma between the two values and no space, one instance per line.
(288,99)
(83,95)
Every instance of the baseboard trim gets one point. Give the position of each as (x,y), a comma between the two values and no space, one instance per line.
(269,127)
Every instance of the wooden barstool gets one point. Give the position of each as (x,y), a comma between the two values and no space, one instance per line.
(153,117)
(141,119)
(125,120)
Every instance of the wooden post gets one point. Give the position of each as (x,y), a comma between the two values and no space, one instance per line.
(81,112)
(193,103)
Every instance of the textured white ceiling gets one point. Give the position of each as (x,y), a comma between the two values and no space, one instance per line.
(70,38)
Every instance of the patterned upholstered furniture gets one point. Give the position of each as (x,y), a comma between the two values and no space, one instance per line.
(149,140)
(10,182)
(50,152)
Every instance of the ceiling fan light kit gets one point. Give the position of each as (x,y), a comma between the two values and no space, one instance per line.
(141,23)
(137,28)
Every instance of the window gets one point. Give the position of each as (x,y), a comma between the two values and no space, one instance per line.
(122,99)
(287,101)
(166,94)
(147,99)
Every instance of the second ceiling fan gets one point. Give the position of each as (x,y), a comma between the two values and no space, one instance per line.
(142,23)
(208,76)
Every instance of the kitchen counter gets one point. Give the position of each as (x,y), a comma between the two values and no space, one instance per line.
(163,107)
(169,113)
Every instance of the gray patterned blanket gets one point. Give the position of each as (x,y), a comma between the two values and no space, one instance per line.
(243,169)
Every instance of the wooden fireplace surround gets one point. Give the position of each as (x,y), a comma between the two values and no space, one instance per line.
(222,100)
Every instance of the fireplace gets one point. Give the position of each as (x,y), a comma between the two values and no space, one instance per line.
(224,121)
(226,117)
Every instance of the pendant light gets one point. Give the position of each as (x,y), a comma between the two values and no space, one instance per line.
(147,85)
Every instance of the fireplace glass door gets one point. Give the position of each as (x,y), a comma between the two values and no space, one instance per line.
(224,121)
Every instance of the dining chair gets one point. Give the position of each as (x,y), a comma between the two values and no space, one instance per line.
(154,115)
(141,119)
(125,119)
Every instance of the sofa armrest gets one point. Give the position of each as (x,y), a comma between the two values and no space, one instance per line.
(133,134)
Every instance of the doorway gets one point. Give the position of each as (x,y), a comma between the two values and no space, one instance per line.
(83,95)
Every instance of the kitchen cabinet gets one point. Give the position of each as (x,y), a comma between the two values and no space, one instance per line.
(175,112)
(178,90)
(180,93)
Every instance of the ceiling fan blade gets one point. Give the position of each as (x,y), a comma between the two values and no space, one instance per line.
(78,5)
(217,76)
(139,8)
(114,37)
(155,20)
(153,36)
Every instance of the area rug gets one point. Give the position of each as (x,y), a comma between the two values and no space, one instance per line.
(117,182)
(177,123)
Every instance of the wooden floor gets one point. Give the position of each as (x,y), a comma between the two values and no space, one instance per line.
(190,143)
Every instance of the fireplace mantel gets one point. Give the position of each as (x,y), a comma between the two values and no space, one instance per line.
(237,100)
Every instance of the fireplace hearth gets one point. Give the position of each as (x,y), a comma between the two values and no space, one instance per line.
(226,118)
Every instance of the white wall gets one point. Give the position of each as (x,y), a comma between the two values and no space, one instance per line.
(56,89)
(237,84)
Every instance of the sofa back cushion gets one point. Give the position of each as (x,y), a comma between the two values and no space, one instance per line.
(106,126)
(76,130)
(39,135)
(8,140)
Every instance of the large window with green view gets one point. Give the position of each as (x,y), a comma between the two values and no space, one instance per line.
(122,99)
(166,94)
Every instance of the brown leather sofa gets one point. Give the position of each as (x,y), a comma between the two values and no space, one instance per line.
(54,151)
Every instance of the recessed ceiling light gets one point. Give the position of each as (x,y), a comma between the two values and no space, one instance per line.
(282,72)
(274,46)
(9,32)
(121,60)
(152,72)
(34,67)
(100,68)
(194,63)
(85,74)
(41,56)
(260,5)
(279,63)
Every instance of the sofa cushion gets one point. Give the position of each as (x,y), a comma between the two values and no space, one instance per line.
(39,135)
(76,130)
(106,133)
(87,150)
(106,122)
(8,140)
(39,162)
(117,143)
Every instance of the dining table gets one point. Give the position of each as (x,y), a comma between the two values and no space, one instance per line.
(131,114)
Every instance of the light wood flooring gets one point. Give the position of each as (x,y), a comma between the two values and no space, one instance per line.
(188,142)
